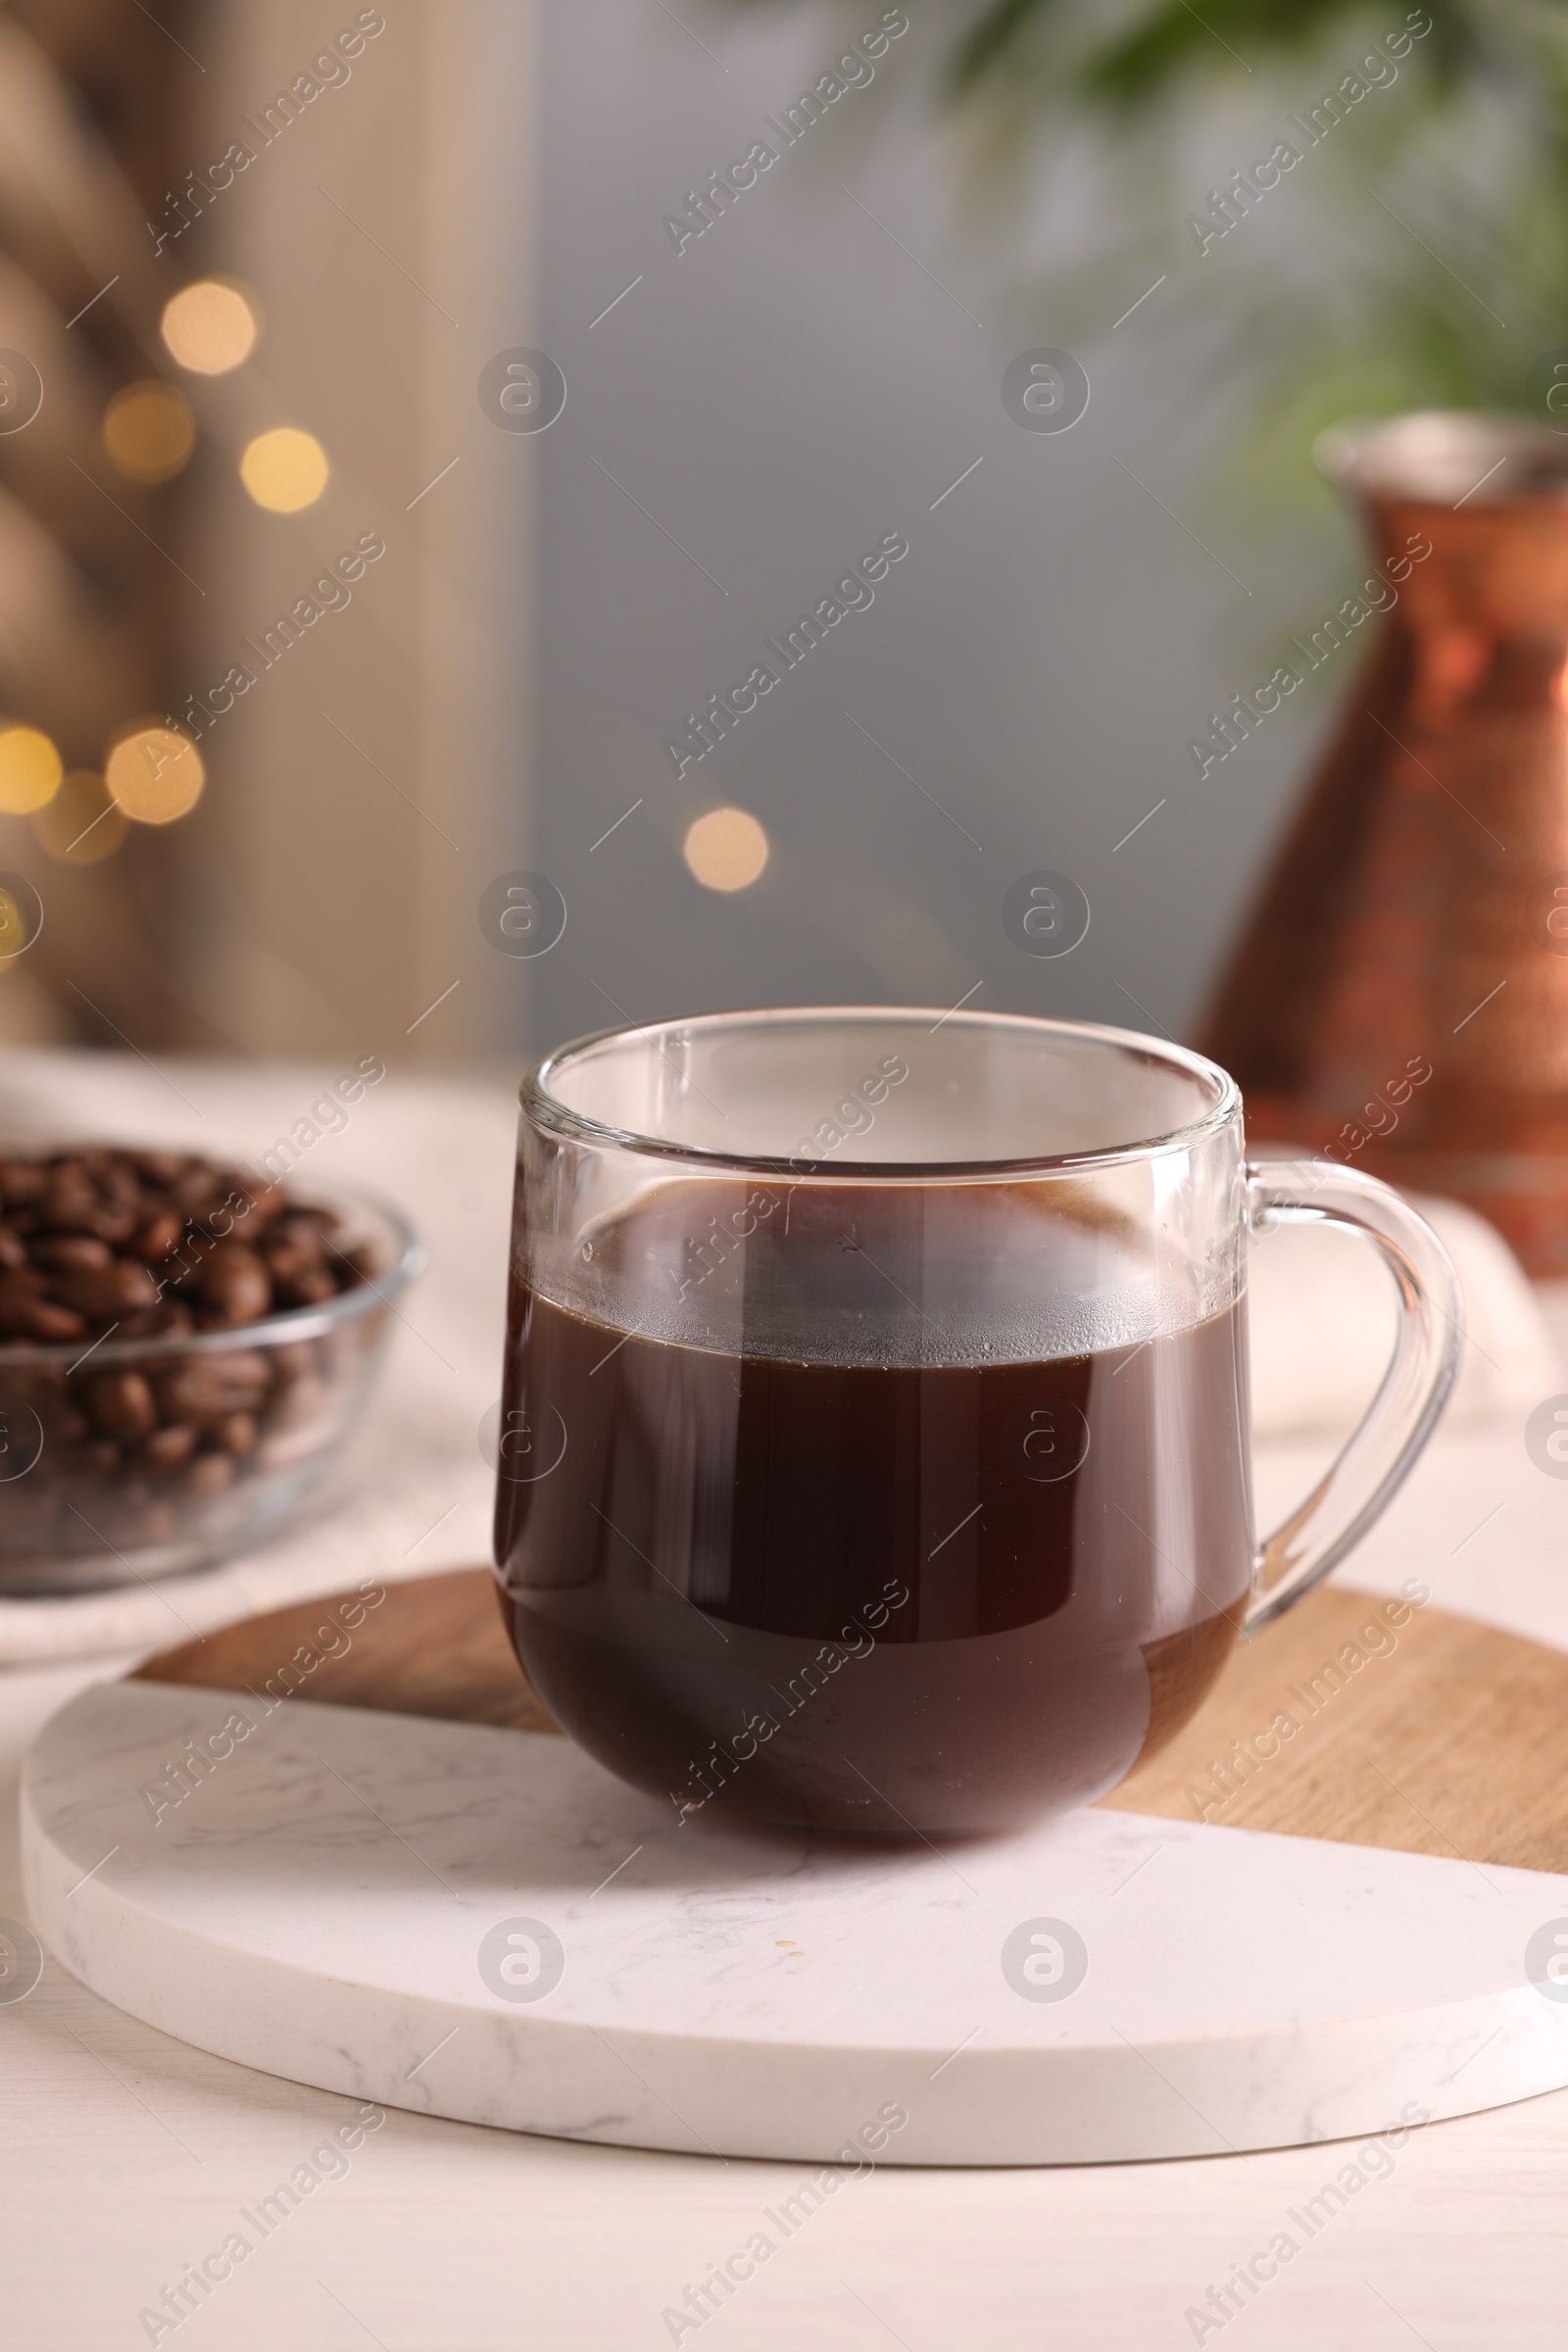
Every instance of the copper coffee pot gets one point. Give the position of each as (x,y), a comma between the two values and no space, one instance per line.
(1399,996)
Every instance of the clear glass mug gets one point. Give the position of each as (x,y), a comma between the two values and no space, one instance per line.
(874,1443)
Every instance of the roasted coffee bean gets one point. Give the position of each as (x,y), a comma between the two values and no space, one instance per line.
(169,1448)
(63,1250)
(115,1221)
(182,1268)
(285,1259)
(105,1293)
(301,1275)
(25,1314)
(308,1288)
(171,1316)
(65,1210)
(235,1286)
(159,1233)
(144,1325)
(100,1243)
(303,1229)
(200,1186)
(122,1404)
(23,1182)
(294,1360)
(208,1387)
(162,1168)
(70,1206)
(110,1173)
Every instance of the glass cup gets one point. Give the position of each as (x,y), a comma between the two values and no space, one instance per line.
(874,1443)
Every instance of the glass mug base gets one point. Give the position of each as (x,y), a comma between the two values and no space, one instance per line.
(915,1740)
(900,1495)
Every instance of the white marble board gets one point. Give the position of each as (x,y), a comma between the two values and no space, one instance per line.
(318,1907)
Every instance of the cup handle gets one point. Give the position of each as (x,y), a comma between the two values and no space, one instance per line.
(1398,1421)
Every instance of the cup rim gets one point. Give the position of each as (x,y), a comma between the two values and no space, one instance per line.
(288,1323)
(547,1111)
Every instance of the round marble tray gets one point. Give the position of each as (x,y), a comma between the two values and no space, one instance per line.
(478,1922)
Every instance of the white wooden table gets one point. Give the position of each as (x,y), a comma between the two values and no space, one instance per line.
(125,2158)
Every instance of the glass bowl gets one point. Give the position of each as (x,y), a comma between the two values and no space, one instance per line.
(91,1496)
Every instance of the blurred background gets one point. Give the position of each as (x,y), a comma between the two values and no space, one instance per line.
(237,248)
(263,277)
(424,189)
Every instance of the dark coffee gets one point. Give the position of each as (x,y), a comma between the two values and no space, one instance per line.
(920,1510)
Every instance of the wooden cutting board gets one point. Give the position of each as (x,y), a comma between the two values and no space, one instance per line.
(1451,1742)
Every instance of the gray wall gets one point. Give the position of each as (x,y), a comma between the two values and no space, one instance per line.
(777,396)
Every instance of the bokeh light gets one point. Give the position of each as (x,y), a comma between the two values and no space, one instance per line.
(154,773)
(31,769)
(211,327)
(13,929)
(726,849)
(21,917)
(84,823)
(149,431)
(285,470)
